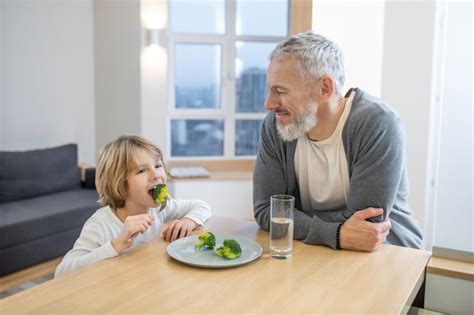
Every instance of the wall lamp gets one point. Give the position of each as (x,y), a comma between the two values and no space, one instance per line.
(156,37)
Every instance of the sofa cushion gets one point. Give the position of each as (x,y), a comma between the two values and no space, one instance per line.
(34,218)
(27,254)
(25,174)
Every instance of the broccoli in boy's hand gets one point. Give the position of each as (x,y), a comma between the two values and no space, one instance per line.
(207,240)
(230,250)
(160,195)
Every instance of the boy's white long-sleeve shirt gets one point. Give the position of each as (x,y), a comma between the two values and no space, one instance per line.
(94,242)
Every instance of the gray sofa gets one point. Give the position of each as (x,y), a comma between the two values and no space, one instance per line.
(43,205)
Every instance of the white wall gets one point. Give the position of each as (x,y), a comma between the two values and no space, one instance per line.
(357,27)
(227,198)
(117,44)
(154,75)
(449,295)
(1,73)
(407,80)
(454,208)
(47,75)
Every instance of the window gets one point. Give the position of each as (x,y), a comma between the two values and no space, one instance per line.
(218,54)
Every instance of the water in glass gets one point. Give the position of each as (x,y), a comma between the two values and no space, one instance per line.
(281,237)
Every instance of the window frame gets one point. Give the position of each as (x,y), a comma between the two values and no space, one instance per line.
(227,111)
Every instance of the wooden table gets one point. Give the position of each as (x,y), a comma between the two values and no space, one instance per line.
(316,280)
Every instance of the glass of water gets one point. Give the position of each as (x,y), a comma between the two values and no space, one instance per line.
(281,226)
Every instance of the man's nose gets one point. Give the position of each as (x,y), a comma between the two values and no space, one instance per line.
(270,102)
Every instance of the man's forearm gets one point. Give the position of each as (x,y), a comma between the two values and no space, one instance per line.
(313,230)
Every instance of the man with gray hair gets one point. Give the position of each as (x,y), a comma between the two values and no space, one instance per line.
(342,157)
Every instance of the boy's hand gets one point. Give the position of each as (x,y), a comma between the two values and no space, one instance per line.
(133,225)
(179,228)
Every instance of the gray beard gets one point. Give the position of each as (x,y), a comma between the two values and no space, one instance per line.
(301,125)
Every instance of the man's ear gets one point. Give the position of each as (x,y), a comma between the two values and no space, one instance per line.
(326,88)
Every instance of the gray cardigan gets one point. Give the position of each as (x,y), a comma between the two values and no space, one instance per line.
(373,139)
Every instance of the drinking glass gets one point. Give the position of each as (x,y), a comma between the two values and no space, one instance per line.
(281,226)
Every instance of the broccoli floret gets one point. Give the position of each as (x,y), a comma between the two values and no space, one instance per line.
(230,250)
(207,240)
(160,193)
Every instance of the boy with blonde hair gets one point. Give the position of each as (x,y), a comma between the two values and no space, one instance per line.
(127,171)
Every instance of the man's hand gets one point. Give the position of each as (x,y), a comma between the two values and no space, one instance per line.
(179,228)
(359,234)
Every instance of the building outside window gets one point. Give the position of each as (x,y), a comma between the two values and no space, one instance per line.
(218,55)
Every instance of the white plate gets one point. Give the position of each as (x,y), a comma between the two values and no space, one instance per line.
(183,250)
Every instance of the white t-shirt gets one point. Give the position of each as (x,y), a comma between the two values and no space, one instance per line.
(103,226)
(321,169)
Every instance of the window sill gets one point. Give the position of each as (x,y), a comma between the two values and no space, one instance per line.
(451,268)
(218,169)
